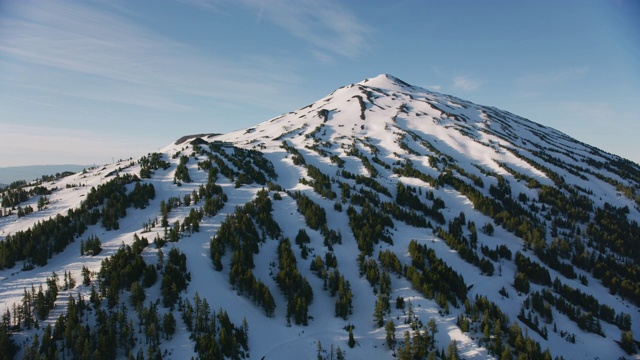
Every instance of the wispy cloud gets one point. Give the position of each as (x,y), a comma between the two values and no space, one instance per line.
(114,59)
(466,83)
(328,26)
(540,79)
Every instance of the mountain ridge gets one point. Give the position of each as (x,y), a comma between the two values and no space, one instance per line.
(390,205)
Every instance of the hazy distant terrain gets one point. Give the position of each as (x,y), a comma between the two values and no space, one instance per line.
(11,174)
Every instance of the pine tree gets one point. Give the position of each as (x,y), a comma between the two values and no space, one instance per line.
(391,334)
(627,343)
(352,341)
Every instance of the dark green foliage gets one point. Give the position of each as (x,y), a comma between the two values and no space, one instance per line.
(150,163)
(627,343)
(344,302)
(367,181)
(302,237)
(501,251)
(239,233)
(141,194)
(465,248)
(368,227)
(521,283)
(435,279)
(215,336)
(314,215)
(175,277)
(502,334)
(568,296)
(389,261)
(150,276)
(532,270)
(251,165)
(298,159)
(182,172)
(320,183)
(137,294)
(294,286)
(38,243)
(91,246)
(335,159)
(353,151)
(408,170)
(487,229)
(406,197)
(119,272)
(8,347)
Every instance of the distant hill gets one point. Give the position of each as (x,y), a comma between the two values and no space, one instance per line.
(28,173)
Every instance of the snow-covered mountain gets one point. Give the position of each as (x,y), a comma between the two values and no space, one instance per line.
(382,220)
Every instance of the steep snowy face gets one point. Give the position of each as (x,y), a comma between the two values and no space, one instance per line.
(401,121)
(382,211)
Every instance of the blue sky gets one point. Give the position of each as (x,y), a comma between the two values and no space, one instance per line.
(87,81)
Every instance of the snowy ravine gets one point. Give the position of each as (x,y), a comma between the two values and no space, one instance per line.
(458,178)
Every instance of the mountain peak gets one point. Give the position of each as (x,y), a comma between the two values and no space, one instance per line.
(385,81)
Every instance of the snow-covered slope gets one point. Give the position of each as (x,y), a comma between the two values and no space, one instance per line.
(392,166)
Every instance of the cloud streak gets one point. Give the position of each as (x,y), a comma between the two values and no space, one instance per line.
(326,25)
(112,59)
(466,83)
(550,78)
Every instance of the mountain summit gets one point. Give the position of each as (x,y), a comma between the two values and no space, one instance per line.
(384,220)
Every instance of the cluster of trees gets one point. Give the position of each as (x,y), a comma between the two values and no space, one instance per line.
(24,211)
(466,248)
(585,301)
(368,227)
(214,334)
(253,167)
(535,303)
(113,200)
(92,246)
(433,277)
(294,286)
(335,283)
(182,172)
(150,163)
(112,333)
(122,269)
(12,196)
(38,243)
(35,306)
(390,262)
(419,341)
(501,337)
(239,233)
(175,277)
(297,158)
(141,194)
(367,181)
(408,170)
(353,151)
(405,196)
(320,182)
(314,215)
(534,272)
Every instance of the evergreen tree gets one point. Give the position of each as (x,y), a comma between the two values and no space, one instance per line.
(390,329)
